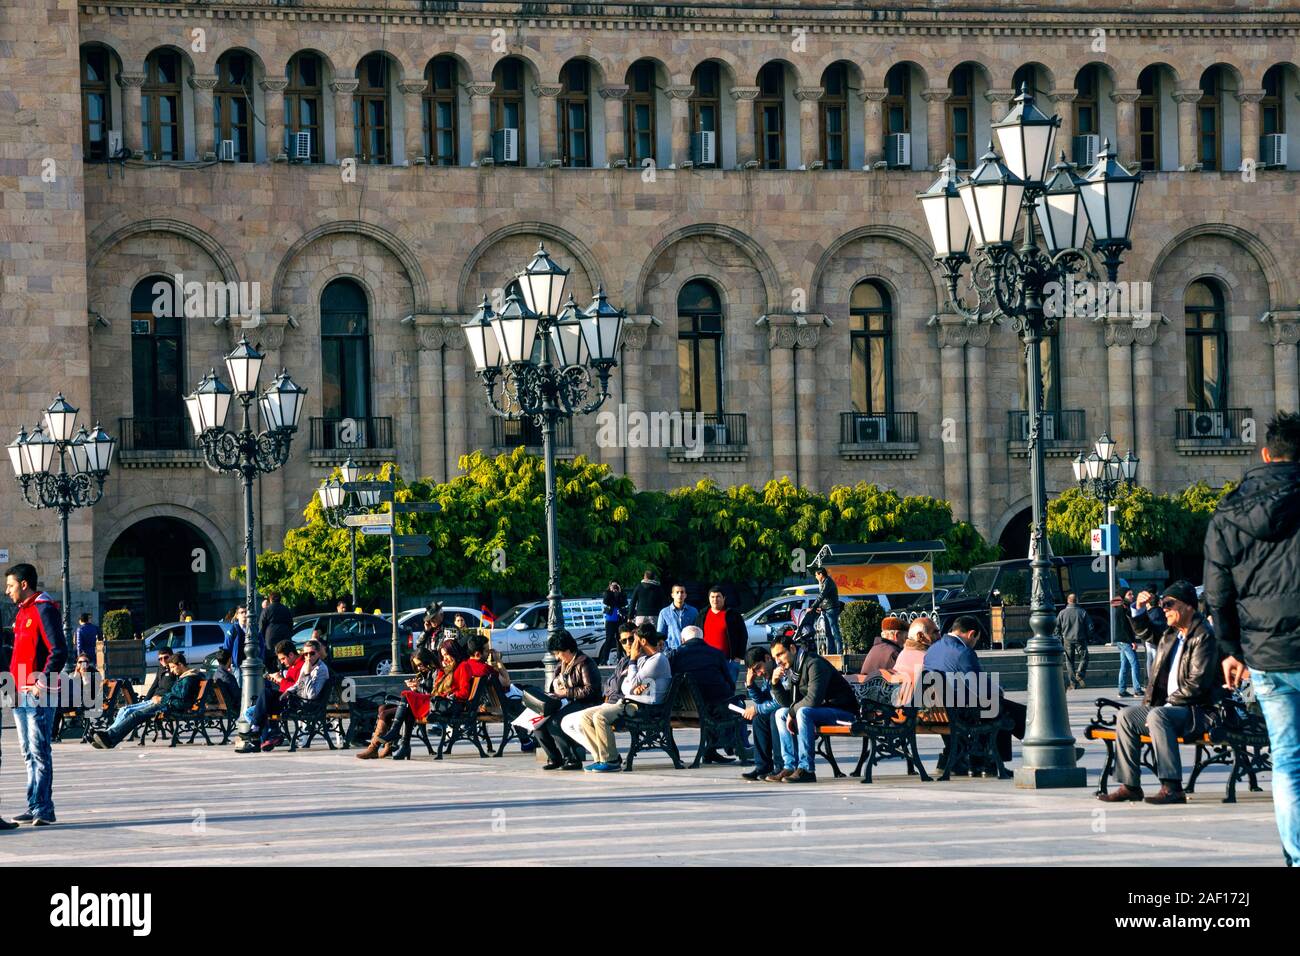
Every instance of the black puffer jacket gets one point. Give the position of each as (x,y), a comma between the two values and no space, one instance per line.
(1252,568)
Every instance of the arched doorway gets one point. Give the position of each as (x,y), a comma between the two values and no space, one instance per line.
(159,562)
(1014,539)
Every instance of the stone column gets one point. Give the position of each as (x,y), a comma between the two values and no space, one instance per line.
(132,119)
(999,103)
(981,434)
(807,434)
(1187,157)
(413,98)
(873,125)
(344,137)
(463,396)
(679,106)
(952,334)
(1126,127)
(1119,338)
(615,129)
(1284,333)
(205,146)
(1249,100)
(432,447)
(636,337)
(1064,102)
(273,105)
(746,148)
(810,146)
(785,444)
(547,124)
(1144,377)
(937,126)
(480,118)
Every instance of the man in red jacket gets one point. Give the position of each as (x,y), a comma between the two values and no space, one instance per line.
(40,651)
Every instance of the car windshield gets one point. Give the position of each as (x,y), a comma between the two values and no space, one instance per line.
(978,582)
(512,615)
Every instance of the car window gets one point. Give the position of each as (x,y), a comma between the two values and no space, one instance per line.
(979,581)
(537,617)
(348,628)
(1088,584)
(777,613)
(201,634)
(300,636)
(173,637)
(1013,583)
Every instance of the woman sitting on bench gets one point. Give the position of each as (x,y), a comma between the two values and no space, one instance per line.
(425,684)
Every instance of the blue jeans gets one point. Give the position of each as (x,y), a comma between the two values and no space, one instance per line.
(833,639)
(1278,693)
(131,716)
(797,748)
(1128,668)
(35,730)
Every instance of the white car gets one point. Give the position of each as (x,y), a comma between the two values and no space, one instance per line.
(520,633)
(195,639)
(413,619)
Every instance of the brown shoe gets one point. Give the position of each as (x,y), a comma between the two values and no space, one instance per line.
(1168,795)
(802,776)
(779,776)
(1123,794)
(372,749)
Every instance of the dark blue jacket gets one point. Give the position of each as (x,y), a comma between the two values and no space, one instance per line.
(760,694)
(950,655)
(707,666)
(84,640)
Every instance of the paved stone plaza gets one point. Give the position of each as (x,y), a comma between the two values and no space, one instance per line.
(194,804)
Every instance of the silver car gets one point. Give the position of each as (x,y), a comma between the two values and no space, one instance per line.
(520,634)
(195,639)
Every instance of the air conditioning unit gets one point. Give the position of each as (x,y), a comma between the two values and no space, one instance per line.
(1272,150)
(1049,427)
(715,434)
(1207,424)
(703,148)
(1084,149)
(505,146)
(114,142)
(227,152)
(898,150)
(302,145)
(350,428)
(870,429)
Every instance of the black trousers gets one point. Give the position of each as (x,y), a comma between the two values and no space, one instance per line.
(608,648)
(764,734)
(559,746)
(1076,656)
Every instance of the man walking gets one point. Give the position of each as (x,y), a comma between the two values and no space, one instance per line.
(1126,640)
(40,650)
(1252,586)
(828,602)
(1074,627)
(276,626)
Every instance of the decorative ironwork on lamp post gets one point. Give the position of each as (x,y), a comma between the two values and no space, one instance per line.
(536,360)
(1011,281)
(32,457)
(1100,475)
(247,453)
(337,505)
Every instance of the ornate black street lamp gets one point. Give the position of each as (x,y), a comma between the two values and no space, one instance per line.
(1100,475)
(247,453)
(1013,281)
(536,360)
(32,457)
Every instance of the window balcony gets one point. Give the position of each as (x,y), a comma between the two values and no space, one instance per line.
(158,443)
(509,434)
(1064,433)
(1214,431)
(869,437)
(367,441)
(716,436)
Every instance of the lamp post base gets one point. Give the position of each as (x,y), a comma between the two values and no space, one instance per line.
(1050,778)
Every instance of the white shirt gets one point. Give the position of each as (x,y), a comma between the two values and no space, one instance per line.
(1171,687)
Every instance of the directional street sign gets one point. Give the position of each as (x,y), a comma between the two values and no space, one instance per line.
(385,488)
(377,529)
(409,507)
(362,521)
(411,545)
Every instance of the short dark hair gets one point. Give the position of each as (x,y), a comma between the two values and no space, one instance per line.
(627,627)
(476,643)
(676,584)
(646,631)
(819,570)
(781,640)
(286,647)
(1282,436)
(178,658)
(273,597)
(964,623)
(561,640)
(223,657)
(85,618)
(717,588)
(756,655)
(649,572)
(23,572)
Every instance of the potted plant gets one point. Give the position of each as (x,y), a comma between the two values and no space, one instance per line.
(120,654)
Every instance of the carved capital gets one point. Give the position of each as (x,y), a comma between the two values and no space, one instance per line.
(1283,327)
(480,89)
(744,92)
(954,332)
(939,95)
(345,87)
(432,338)
(1249,96)
(264,331)
(203,81)
(1187,96)
(679,92)
(809,94)
(635,337)
(1121,331)
(131,79)
(411,87)
(548,89)
(615,92)
(1000,95)
(1065,97)
(273,85)
(874,94)
(1125,96)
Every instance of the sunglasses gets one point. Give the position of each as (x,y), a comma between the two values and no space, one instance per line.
(1169,604)
(626,642)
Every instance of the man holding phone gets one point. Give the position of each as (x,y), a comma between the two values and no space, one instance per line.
(648,679)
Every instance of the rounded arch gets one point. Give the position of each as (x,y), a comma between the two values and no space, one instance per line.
(216,252)
(881,76)
(532,72)
(758,257)
(400,250)
(726,69)
(394,61)
(1014,510)
(1232,71)
(463,67)
(1047,78)
(909,240)
(790,69)
(187,508)
(978,68)
(1280,294)
(329,71)
(244,46)
(1105,64)
(465,303)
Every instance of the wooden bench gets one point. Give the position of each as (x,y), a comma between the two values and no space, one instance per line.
(117,694)
(1236,739)
(321,717)
(465,724)
(207,712)
(651,726)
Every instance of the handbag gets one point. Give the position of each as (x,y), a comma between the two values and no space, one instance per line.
(543,704)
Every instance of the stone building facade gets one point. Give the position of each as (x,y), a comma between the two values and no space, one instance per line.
(606,99)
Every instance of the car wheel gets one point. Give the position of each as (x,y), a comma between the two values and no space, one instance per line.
(381,665)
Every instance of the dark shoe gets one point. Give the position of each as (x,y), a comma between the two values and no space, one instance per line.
(248,747)
(572,765)
(802,776)
(1168,794)
(1124,794)
(712,756)
(44,822)
(754,775)
(552,765)
(779,776)
(25,817)
(6,825)
(1080,684)
(1125,693)
(271,743)
(403,752)
(99,740)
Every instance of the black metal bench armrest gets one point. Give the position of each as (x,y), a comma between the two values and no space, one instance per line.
(1101,718)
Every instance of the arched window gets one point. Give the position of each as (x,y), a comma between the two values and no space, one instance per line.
(834,109)
(371,124)
(160,107)
(1049,350)
(1272,111)
(706,101)
(1087,118)
(769,116)
(232,104)
(96,102)
(508,105)
(440,111)
(302,105)
(898,99)
(699,348)
(1209,119)
(157,364)
(575,113)
(871,323)
(1148,118)
(1207,346)
(1027,76)
(345,351)
(640,112)
(961,116)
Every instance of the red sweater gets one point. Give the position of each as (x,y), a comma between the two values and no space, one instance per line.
(291,675)
(462,679)
(715,631)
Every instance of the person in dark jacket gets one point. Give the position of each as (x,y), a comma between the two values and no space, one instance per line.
(759,710)
(647,600)
(177,700)
(163,678)
(811,692)
(1252,586)
(577,685)
(276,625)
(615,603)
(884,653)
(709,669)
(724,628)
(86,637)
(828,603)
(1075,628)
(1180,690)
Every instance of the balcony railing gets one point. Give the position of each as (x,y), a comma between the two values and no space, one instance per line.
(342,434)
(155,434)
(891,428)
(1211,426)
(722,428)
(1058,427)
(511,433)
